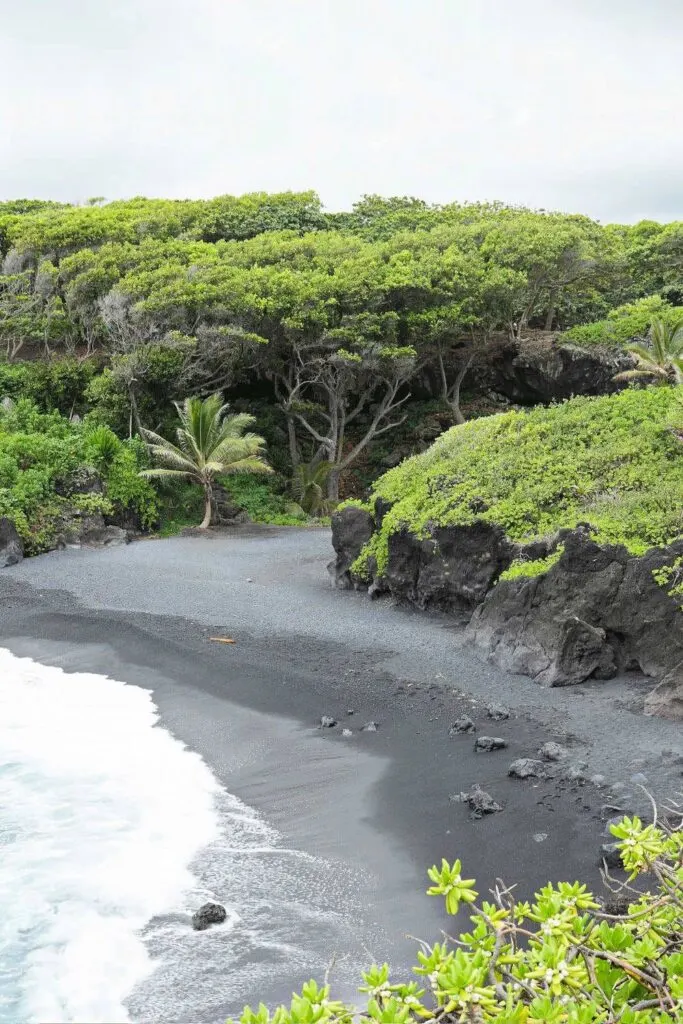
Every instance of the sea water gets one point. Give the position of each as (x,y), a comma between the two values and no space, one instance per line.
(100,816)
(111,833)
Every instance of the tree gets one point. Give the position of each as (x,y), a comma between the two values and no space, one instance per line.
(327,387)
(209,443)
(30,308)
(309,485)
(552,251)
(662,358)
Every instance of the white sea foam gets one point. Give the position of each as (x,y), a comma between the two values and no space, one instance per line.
(101,815)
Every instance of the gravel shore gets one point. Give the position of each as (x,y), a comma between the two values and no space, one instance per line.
(378,801)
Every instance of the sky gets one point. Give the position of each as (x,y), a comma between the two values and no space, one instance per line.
(573,105)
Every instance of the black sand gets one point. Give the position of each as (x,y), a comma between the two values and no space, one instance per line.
(377,803)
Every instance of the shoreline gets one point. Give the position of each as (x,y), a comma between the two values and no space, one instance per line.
(377,803)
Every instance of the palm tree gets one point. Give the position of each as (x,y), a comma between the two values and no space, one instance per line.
(662,358)
(209,442)
(308,485)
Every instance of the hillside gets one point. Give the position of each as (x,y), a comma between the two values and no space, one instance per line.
(561,529)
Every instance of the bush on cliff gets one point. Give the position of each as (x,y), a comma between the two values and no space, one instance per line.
(559,959)
(613,461)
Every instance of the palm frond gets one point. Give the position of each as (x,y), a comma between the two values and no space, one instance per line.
(149,474)
(235,425)
(152,438)
(232,448)
(250,464)
(642,352)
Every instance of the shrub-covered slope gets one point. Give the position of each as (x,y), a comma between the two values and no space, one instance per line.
(611,461)
(557,533)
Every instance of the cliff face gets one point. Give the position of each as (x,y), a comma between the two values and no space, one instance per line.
(595,612)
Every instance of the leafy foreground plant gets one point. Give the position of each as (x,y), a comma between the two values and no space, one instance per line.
(209,443)
(557,960)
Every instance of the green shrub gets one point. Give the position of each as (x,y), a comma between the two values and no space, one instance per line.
(258,497)
(670,577)
(57,385)
(92,504)
(625,323)
(102,446)
(532,567)
(558,959)
(181,504)
(41,452)
(126,489)
(612,461)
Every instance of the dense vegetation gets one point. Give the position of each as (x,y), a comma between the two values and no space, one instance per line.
(614,461)
(53,471)
(560,959)
(350,336)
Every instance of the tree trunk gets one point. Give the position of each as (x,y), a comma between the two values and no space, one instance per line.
(333,485)
(135,413)
(208,508)
(293,441)
(550,318)
(454,399)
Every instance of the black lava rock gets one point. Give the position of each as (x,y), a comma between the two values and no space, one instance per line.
(609,853)
(527,768)
(462,724)
(489,743)
(479,801)
(498,712)
(208,914)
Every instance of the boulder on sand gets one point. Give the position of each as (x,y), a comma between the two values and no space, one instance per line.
(11,547)
(490,743)
(462,724)
(479,801)
(527,768)
(208,914)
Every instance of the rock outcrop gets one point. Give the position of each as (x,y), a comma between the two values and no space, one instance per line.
(666,700)
(11,547)
(596,611)
(540,368)
(451,571)
(226,512)
(352,528)
(88,529)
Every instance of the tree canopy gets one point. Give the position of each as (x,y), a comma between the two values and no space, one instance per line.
(337,313)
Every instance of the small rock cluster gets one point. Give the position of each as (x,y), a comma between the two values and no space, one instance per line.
(328,722)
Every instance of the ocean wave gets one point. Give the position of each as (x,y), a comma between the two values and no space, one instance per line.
(101,815)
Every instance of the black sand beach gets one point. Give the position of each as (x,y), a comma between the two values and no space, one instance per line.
(376,803)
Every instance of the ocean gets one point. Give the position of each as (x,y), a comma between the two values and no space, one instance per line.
(111,833)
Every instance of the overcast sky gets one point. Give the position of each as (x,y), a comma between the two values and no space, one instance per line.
(565,104)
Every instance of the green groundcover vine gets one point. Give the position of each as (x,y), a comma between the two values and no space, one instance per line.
(614,461)
(559,959)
